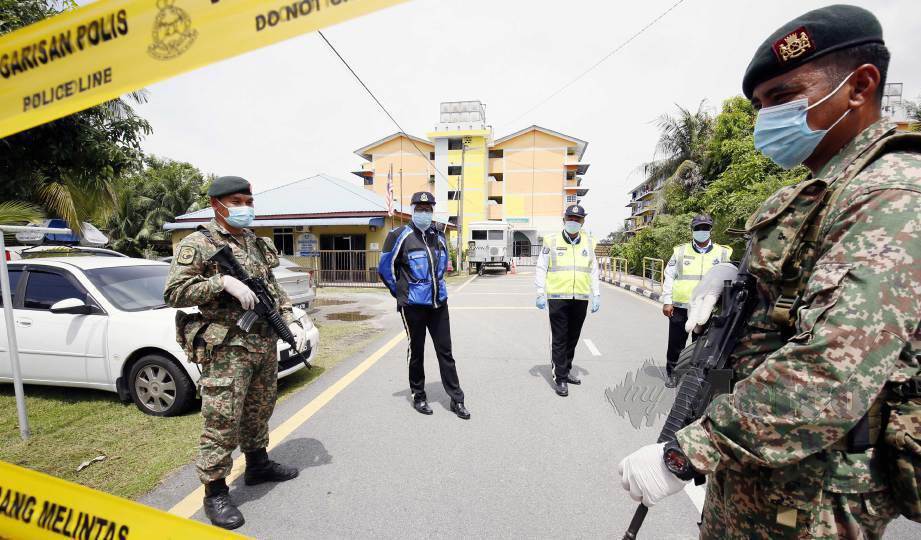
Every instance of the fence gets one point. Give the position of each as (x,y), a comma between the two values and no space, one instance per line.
(653,270)
(345,268)
(526,254)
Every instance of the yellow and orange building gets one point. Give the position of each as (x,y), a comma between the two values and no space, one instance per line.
(526,178)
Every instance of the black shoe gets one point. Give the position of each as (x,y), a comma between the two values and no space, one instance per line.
(572,379)
(422,406)
(222,512)
(562,389)
(671,382)
(267,471)
(457,407)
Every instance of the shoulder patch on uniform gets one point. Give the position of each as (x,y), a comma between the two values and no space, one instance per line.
(186,255)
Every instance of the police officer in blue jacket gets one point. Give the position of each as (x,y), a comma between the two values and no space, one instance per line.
(413,268)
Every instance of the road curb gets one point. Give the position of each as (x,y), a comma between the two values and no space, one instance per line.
(652,295)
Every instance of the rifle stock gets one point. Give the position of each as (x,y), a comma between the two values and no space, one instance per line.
(266,308)
(708,366)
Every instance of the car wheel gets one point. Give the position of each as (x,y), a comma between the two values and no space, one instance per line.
(159,387)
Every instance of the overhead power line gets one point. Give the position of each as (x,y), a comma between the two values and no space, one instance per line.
(381,105)
(598,63)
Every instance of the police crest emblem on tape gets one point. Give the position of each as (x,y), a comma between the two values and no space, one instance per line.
(172,32)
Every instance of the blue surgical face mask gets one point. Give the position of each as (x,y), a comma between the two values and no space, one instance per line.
(782,132)
(239,216)
(422,220)
(572,227)
(701,237)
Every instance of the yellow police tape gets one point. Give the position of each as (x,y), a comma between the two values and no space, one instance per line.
(35,505)
(103,50)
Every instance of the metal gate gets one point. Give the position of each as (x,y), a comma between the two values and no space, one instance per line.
(348,268)
(525,254)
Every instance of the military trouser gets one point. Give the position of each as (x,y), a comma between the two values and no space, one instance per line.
(238,390)
(738,507)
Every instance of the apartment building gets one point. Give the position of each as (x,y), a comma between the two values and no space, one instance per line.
(643,202)
(526,178)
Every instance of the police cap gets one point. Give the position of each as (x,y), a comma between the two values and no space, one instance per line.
(808,37)
(423,197)
(575,210)
(229,185)
(701,219)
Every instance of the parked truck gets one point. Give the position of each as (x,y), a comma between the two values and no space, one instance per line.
(490,246)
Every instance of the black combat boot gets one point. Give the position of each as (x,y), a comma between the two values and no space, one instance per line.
(259,469)
(219,507)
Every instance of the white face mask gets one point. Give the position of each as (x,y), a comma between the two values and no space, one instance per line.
(572,227)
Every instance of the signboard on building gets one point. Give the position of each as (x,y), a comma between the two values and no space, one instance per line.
(308,245)
(517,219)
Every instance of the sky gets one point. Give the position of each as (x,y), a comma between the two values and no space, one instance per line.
(292,110)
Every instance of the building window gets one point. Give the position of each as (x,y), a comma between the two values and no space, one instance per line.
(369,180)
(431,179)
(572,199)
(454,170)
(496,153)
(478,235)
(284,240)
(432,156)
(455,144)
(452,220)
(453,195)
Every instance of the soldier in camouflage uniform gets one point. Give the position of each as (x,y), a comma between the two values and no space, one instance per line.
(795,450)
(239,370)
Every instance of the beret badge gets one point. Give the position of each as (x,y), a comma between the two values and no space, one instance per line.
(794,45)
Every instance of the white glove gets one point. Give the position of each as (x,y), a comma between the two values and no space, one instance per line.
(644,475)
(300,336)
(700,311)
(240,291)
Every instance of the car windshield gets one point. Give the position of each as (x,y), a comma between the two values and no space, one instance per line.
(131,288)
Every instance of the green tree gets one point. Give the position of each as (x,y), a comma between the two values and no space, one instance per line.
(161,190)
(19,213)
(914,113)
(69,167)
(682,138)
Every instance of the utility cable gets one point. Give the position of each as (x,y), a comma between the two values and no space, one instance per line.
(381,105)
(598,63)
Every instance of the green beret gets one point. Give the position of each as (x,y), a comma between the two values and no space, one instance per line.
(229,185)
(808,37)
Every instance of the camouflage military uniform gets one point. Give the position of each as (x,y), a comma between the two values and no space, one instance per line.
(239,370)
(773,448)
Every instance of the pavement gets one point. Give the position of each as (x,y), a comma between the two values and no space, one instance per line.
(529,464)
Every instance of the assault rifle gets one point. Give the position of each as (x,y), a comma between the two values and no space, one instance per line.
(708,373)
(265,308)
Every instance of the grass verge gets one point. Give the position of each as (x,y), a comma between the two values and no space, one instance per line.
(70,426)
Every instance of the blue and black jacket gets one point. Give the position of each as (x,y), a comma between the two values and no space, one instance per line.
(413,266)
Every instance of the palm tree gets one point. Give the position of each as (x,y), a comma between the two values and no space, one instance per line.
(683,138)
(18,212)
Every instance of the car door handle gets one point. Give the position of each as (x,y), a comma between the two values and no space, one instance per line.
(23,323)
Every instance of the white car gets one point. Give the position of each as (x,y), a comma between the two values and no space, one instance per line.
(296,281)
(100,322)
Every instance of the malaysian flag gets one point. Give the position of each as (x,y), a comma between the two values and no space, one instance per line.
(390,192)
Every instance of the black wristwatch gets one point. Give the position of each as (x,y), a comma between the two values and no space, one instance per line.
(677,461)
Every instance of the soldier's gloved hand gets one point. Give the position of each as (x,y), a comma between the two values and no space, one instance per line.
(300,336)
(541,302)
(700,311)
(596,303)
(644,475)
(240,291)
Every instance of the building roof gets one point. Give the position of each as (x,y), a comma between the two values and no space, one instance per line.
(580,144)
(365,151)
(318,197)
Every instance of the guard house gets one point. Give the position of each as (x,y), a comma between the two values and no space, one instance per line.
(324,224)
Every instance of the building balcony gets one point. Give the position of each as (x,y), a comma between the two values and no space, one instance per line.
(644,210)
(496,165)
(495,189)
(494,211)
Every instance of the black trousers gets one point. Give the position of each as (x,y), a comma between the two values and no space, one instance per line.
(566,318)
(416,319)
(677,337)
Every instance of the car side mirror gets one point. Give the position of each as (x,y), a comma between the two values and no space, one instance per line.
(72,306)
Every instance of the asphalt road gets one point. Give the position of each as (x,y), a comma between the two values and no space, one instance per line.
(529,464)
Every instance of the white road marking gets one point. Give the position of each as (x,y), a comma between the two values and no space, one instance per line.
(696,494)
(464,284)
(591,347)
(487,308)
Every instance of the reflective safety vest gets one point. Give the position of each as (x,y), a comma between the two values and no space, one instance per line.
(691,267)
(569,270)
